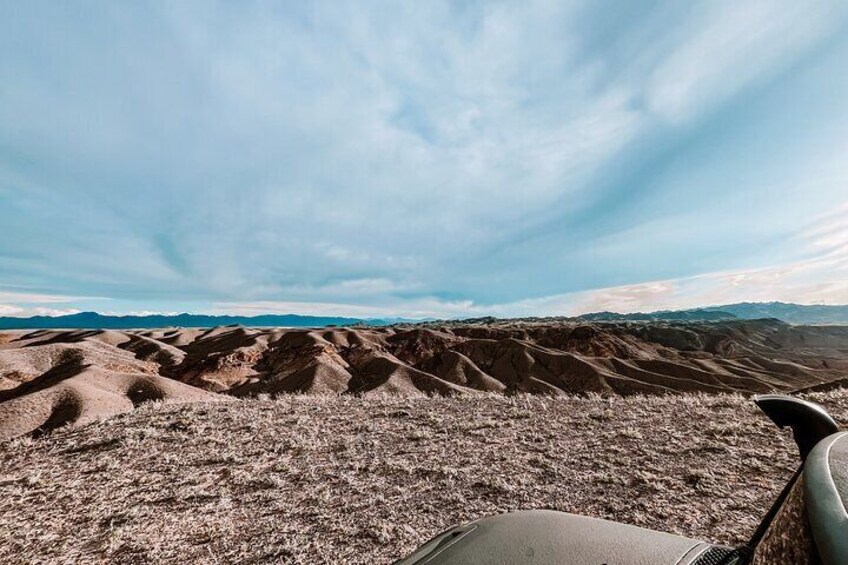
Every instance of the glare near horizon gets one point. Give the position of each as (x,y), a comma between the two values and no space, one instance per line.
(421,159)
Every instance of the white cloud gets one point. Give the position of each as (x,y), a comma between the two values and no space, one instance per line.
(8,310)
(730,45)
(360,157)
(16,297)
(21,312)
(414,308)
(23,304)
(141,313)
(821,278)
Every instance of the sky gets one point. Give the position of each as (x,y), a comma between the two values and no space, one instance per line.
(421,159)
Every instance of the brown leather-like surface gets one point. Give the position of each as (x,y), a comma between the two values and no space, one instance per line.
(788,540)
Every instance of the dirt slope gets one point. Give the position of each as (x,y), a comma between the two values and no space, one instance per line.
(448,359)
(509,357)
(90,395)
(20,366)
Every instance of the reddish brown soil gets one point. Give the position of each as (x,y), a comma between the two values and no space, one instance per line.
(74,376)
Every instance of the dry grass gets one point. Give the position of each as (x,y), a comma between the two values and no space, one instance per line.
(349,480)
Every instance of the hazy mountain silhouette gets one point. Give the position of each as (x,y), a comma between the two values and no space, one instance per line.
(93,320)
(790,313)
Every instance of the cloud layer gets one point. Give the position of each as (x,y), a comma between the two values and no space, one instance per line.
(437,158)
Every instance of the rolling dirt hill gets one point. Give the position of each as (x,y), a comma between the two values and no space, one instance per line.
(90,395)
(382,437)
(56,374)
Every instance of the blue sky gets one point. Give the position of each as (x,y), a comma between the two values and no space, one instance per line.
(421,158)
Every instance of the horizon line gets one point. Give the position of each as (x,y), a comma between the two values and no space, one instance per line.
(173,314)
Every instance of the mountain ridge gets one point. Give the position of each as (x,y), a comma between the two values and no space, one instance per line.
(799,314)
(94,320)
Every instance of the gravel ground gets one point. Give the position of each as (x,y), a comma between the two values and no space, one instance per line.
(305,479)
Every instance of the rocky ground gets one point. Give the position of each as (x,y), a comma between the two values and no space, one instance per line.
(313,479)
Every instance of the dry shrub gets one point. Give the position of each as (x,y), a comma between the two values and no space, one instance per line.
(352,480)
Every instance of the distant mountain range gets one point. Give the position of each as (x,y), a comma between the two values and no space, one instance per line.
(698,315)
(93,320)
(790,313)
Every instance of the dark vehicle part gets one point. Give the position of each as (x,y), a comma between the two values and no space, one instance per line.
(810,422)
(547,537)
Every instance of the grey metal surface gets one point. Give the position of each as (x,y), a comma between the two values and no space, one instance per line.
(545,537)
(826,489)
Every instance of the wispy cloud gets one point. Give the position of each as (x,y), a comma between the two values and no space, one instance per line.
(820,278)
(413,157)
(29,297)
(21,304)
(728,47)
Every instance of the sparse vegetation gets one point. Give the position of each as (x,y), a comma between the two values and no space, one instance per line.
(313,479)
